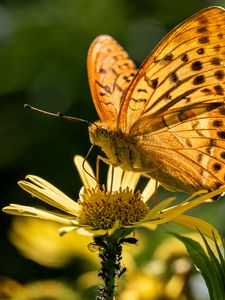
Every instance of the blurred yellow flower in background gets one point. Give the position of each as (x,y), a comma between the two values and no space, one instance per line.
(168,274)
(39,240)
(37,290)
(142,287)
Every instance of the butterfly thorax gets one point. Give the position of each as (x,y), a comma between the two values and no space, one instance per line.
(119,148)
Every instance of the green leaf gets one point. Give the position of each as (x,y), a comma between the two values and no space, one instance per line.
(220,262)
(215,262)
(221,258)
(211,268)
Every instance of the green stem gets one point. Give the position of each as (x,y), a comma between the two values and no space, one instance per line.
(110,253)
(111,263)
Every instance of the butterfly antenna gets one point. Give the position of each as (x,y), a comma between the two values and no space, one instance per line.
(83,164)
(58,114)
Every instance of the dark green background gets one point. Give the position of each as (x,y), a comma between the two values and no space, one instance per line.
(43,48)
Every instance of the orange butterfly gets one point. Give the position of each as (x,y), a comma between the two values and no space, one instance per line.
(167,119)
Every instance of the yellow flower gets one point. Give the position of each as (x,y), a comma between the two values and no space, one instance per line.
(104,209)
(40,242)
(143,286)
(166,275)
(40,289)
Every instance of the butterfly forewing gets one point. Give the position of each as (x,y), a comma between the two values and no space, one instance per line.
(186,67)
(110,72)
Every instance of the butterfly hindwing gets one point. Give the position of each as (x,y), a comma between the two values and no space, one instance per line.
(191,151)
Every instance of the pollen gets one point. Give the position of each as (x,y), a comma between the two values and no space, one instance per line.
(100,209)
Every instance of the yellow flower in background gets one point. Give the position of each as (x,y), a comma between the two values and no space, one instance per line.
(102,209)
(40,242)
(142,287)
(36,290)
(168,273)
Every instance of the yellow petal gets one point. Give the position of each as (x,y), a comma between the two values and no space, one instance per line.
(130,179)
(197,224)
(155,212)
(28,211)
(45,185)
(114,180)
(64,230)
(149,225)
(149,190)
(49,194)
(83,231)
(86,173)
(173,212)
(190,198)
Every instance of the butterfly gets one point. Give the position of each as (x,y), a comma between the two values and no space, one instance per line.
(165,120)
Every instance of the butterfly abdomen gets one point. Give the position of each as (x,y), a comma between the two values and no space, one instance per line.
(123,152)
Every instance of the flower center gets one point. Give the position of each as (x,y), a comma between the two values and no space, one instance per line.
(101,209)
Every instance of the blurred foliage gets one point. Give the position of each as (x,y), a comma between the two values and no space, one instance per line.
(43,48)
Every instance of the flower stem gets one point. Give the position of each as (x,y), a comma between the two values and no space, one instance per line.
(110,253)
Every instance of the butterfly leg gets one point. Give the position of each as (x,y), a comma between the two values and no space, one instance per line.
(146,173)
(106,161)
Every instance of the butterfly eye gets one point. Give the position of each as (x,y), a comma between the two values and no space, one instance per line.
(103,133)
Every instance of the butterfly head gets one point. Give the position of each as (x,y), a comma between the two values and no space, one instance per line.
(99,134)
